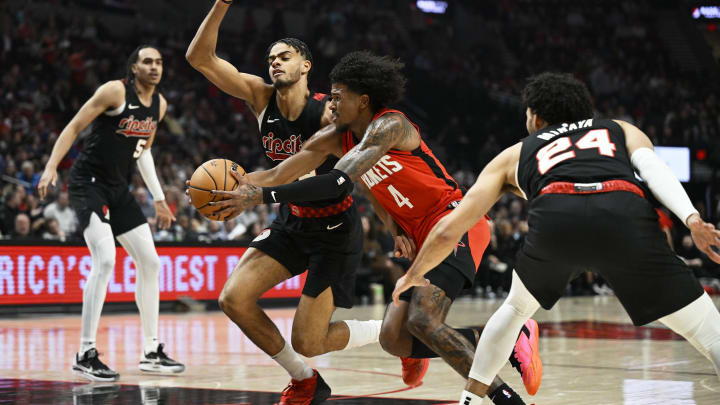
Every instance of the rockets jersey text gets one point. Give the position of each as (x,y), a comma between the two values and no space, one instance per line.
(412,186)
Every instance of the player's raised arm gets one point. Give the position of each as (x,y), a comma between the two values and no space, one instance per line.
(201,55)
(107,97)
(445,235)
(326,142)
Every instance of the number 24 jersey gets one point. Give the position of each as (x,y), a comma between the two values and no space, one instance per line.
(587,151)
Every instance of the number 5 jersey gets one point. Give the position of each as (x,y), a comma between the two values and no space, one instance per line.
(116,140)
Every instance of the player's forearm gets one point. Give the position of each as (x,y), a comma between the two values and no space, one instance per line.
(62,146)
(263,178)
(203,44)
(384,216)
(324,187)
(663,183)
(146,166)
(440,242)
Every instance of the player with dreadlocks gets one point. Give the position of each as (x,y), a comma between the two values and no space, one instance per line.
(125,114)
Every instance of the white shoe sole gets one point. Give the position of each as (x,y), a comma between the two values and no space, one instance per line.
(157,368)
(85,374)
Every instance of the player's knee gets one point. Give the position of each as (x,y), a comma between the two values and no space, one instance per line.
(390,343)
(152,262)
(307,346)
(420,323)
(105,264)
(390,340)
(228,303)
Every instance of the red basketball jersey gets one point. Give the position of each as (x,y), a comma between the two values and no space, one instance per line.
(413,186)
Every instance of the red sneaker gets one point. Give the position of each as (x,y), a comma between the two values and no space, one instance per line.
(413,370)
(310,391)
(526,357)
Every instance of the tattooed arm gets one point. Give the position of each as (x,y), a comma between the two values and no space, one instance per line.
(387,132)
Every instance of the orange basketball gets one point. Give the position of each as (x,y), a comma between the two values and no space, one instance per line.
(212,175)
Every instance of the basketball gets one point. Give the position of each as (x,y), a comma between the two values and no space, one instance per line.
(212,175)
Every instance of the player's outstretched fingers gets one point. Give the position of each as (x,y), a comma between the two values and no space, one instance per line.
(241,178)
(221,204)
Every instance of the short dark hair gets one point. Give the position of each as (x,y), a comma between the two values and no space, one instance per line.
(129,75)
(300,46)
(380,77)
(557,98)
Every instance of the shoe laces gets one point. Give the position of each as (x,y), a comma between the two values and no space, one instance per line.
(289,390)
(161,352)
(92,356)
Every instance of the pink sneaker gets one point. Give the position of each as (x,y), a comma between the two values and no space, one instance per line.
(526,356)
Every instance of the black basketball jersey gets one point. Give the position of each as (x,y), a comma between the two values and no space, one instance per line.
(116,140)
(282,138)
(587,151)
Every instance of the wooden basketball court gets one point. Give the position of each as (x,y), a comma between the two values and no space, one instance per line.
(592,355)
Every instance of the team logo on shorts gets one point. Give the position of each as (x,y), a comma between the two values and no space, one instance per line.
(106,212)
(459,244)
(263,235)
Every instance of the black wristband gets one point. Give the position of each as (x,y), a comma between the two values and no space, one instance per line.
(333,184)
(226,1)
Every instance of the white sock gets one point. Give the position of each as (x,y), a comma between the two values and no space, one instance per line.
(293,364)
(139,244)
(500,332)
(99,238)
(362,333)
(150,345)
(85,346)
(468,398)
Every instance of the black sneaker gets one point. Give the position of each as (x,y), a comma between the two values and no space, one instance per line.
(90,367)
(159,362)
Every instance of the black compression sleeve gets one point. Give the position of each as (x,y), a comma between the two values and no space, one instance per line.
(333,184)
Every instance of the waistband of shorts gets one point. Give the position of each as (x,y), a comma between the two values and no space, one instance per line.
(562,187)
(320,212)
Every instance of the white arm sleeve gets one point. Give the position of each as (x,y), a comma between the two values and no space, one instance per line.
(146,165)
(663,183)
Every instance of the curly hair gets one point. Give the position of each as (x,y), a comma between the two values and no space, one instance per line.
(300,46)
(380,77)
(557,98)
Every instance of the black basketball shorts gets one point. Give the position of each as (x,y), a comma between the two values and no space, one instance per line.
(614,234)
(114,205)
(457,271)
(330,252)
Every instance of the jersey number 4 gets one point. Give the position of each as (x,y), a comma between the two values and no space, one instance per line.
(557,151)
(400,199)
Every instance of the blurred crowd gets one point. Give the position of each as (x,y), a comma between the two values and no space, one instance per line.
(465,69)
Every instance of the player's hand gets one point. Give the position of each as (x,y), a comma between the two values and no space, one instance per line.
(705,236)
(163,216)
(406,282)
(234,202)
(242,179)
(49,177)
(404,247)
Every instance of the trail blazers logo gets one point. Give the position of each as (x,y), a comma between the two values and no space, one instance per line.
(130,127)
(281,149)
